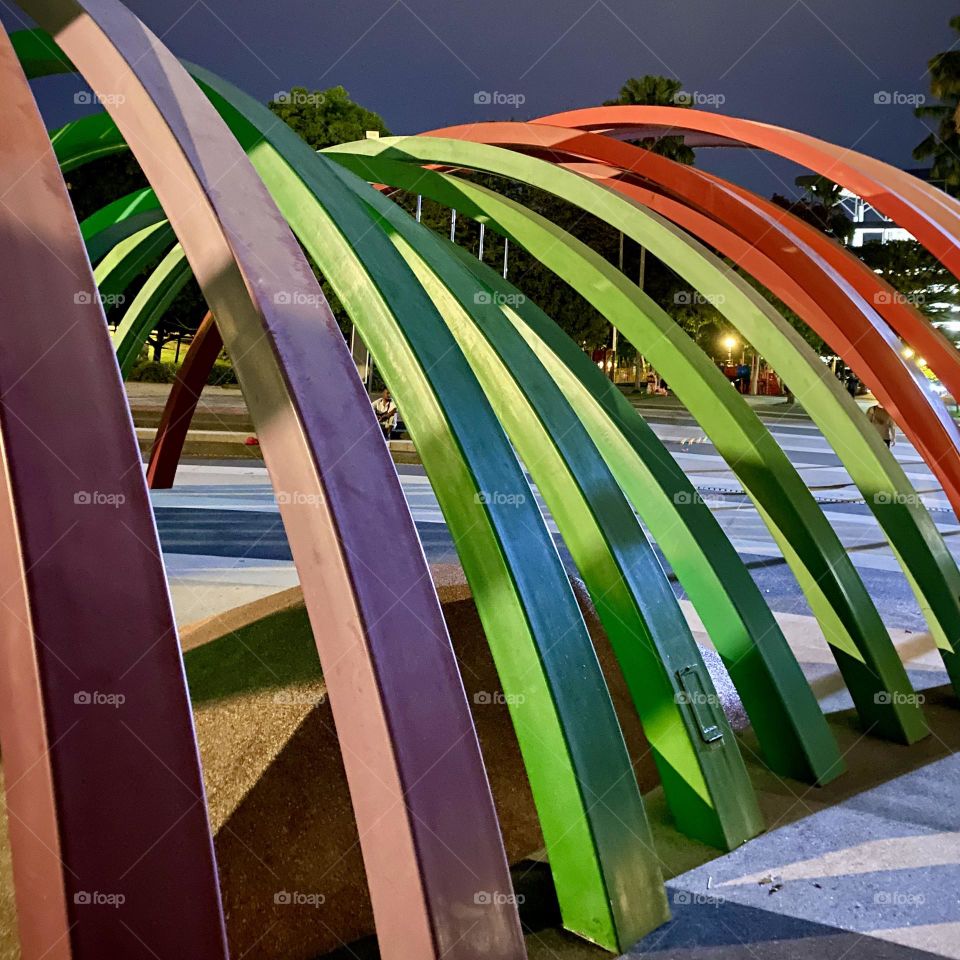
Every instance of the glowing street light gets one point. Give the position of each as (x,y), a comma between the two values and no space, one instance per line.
(730,343)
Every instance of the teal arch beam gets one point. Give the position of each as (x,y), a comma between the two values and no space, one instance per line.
(867,658)
(790,727)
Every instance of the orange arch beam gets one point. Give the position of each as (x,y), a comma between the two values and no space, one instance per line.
(833,307)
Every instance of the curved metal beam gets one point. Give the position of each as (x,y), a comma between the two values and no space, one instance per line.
(408,741)
(923,555)
(92,690)
(851,623)
(929,214)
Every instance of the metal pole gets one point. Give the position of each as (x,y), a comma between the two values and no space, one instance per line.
(506,251)
(483,227)
(419,207)
(453,224)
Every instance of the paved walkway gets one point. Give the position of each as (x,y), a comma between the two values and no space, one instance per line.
(867,867)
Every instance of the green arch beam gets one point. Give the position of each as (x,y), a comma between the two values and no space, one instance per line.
(863,650)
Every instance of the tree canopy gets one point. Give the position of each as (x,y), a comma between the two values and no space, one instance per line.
(325,118)
(942,144)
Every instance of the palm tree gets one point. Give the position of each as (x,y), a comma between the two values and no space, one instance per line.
(655,91)
(943,143)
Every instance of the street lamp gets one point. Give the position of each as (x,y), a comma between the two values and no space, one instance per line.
(729,343)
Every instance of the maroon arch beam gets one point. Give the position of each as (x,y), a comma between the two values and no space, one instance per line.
(104,792)
(408,742)
(182,403)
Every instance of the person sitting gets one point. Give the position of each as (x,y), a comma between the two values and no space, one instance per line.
(386,411)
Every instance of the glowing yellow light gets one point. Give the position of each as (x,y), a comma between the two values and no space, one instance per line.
(729,343)
(907,352)
(921,362)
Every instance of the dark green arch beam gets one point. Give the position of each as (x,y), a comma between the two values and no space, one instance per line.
(790,727)
(858,639)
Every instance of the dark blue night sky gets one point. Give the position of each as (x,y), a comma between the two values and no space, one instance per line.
(815,65)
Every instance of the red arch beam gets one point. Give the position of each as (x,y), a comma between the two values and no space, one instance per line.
(929,214)
(833,308)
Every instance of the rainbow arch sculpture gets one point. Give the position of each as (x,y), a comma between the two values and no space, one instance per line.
(479,372)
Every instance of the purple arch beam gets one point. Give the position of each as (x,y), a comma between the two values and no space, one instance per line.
(111,846)
(407,737)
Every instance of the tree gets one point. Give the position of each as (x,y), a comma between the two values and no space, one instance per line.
(820,207)
(942,145)
(325,118)
(655,91)
(916,275)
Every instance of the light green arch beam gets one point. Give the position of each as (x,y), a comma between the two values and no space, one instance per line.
(785,716)
(863,650)
(149,305)
(911,532)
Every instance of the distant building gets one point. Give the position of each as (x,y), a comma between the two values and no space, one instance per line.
(870,224)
